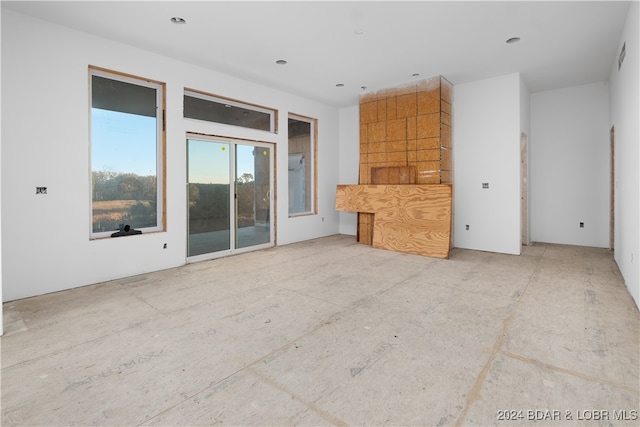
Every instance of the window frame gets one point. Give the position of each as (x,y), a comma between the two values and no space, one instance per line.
(273,113)
(160,87)
(313,175)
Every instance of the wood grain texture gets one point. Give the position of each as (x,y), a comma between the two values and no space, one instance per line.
(407,218)
(403,132)
(393,175)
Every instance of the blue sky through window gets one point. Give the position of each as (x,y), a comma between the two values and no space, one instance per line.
(126,143)
(123,142)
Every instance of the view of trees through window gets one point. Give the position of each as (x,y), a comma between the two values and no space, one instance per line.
(209,205)
(123,198)
(125,143)
(229,195)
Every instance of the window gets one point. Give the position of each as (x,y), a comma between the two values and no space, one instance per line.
(127,153)
(209,108)
(302,166)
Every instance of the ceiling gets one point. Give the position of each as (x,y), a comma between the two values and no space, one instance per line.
(371,44)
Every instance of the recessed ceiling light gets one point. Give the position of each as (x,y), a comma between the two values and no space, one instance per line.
(513,40)
(178,20)
(281,62)
(340,85)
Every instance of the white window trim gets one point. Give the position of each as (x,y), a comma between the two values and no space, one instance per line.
(160,146)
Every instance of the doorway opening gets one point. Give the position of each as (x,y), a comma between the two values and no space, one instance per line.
(229,196)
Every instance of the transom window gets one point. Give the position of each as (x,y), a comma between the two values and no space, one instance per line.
(201,106)
(127,153)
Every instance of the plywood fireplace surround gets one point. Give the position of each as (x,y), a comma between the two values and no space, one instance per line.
(404,197)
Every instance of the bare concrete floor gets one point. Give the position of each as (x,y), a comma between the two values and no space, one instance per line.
(333,332)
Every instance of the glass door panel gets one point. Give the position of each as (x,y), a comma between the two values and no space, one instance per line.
(229,195)
(253,194)
(209,188)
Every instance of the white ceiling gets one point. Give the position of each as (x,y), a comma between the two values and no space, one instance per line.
(562,43)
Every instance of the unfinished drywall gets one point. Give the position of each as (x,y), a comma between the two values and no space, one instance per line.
(625,111)
(46,143)
(569,147)
(486,126)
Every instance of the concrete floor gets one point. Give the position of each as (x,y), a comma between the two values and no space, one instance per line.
(333,332)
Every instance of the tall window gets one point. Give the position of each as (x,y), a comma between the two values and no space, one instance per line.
(302,166)
(127,153)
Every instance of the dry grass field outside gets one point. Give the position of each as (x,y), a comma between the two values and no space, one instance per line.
(113,211)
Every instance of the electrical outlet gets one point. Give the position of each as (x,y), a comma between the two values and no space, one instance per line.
(466,226)
(41,190)
(485,185)
(582,225)
(164,246)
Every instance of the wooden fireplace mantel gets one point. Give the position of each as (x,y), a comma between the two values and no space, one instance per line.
(407,218)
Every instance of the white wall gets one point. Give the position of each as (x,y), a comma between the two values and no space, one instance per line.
(525,128)
(625,92)
(570,165)
(1,307)
(326,222)
(45,137)
(486,148)
(349,161)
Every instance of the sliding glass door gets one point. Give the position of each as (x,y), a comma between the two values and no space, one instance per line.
(229,196)
(253,195)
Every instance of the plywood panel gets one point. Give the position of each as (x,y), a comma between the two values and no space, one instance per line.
(398,158)
(407,105)
(391,108)
(365,228)
(380,175)
(406,175)
(396,130)
(446,136)
(446,162)
(377,132)
(393,175)
(429,101)
(407,218)
(446,89)
(363,133)
(368,112)
(446,177)
(397,125)
(411,127)
(428,144)
(428,172)
(428,126)
(382,110)
(427,155)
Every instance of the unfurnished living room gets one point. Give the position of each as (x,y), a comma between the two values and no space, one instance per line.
(420,213)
